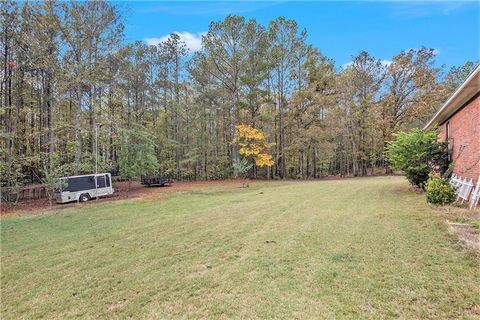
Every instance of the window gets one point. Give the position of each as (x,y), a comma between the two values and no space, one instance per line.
(101,182)
(107,179)
(80,184)
(449,140)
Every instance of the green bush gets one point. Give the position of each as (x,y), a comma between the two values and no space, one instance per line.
(417,154)
(187,174)
(220,169)
(439,191)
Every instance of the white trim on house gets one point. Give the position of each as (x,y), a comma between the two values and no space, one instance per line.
(469,88)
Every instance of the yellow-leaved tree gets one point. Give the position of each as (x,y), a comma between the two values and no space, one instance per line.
(253,144)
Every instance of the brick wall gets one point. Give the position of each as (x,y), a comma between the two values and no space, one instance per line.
(465,134)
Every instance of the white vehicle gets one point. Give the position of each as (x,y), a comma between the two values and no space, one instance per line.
(83,188)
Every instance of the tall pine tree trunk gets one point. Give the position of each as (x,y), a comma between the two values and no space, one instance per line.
(233,130)
(78,128)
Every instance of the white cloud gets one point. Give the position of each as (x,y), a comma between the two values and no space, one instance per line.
(385,63)
(192,40)
(346,65)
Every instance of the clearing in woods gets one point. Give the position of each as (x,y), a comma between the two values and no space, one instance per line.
(355,248)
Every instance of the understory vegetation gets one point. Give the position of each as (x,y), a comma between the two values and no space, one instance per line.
(68,73)
(440,191)
(353,248)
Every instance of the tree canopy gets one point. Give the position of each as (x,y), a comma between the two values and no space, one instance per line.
(67,70)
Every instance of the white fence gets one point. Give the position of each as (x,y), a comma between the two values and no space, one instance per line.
(466,190)
(475,196)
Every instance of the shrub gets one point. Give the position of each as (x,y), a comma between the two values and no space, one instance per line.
(187,174)
(242,166)
(439,191)
(417,154)
(219,169)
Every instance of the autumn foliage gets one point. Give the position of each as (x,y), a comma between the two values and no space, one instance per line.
(71,91)
(253,144)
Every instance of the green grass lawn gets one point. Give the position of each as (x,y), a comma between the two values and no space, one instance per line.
(357,248)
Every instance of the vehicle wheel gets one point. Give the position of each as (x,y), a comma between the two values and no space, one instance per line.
(84,197)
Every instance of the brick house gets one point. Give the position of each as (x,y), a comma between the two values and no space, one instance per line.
(459,122)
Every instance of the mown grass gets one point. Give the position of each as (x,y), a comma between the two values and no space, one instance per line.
(358,248)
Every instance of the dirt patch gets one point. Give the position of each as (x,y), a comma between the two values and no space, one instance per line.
(138,191)
(121,193)
(466,233)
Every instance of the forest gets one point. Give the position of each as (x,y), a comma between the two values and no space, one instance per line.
(73,90)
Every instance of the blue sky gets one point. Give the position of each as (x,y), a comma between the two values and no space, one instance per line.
(339,29)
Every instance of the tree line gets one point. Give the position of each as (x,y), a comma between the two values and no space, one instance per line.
(72,90)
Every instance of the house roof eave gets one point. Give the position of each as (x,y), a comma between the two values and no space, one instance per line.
(469,88)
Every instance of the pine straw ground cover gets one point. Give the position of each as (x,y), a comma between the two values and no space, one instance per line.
(356,248)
